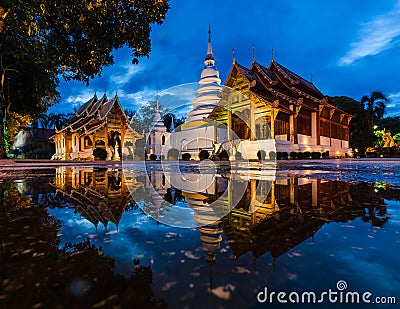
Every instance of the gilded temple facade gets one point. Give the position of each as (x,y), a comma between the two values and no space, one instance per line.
(99,129)
(275,110)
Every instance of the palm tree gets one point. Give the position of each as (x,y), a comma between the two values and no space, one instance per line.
(375,109)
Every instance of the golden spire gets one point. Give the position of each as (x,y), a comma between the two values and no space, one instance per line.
(252,54)
(273,54)
(233,56)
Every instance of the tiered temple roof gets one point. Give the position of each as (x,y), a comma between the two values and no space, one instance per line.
(91,116)
(279,83)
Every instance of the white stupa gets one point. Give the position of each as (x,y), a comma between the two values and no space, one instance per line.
(210,85)
(157,136)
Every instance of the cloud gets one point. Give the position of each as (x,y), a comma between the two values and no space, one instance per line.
(127,72)
(82,97)
(393,108)
(376,36)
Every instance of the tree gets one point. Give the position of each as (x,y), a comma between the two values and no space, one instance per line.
(366,113)
(169,117)
(42,40)
(375,108)
(391,124)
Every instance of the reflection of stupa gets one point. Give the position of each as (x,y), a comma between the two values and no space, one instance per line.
(100,195)
(207,217)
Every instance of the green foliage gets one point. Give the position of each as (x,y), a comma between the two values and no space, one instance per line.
(379,142)
(74,39)
(397,138)
(142,119)
(169,117)
(7,145)
(366,113)
(391,124)
(186,156)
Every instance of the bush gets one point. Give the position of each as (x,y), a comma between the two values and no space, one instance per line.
(272,155)
(224,155)
(173,154)
(307,155)
(203,155)
(153,157)
(100,153)
(279,155)
(325,154)
(315,155)
(261,155)
(293,155)
(284,155)
(300,155)
(238,156)
(186,156)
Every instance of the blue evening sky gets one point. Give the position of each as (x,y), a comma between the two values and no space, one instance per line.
(349,47)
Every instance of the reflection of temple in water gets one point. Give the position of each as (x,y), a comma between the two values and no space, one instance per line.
(99,195)
(268,214)
(294,210)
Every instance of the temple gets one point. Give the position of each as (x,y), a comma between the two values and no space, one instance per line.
(99,130)
(275,110)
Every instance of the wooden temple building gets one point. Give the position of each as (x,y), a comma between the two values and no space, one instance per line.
(273,109)
(99,129)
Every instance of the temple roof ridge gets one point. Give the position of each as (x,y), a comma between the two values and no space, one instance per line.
(294,78)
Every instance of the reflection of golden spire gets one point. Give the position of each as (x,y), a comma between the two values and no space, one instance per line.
(273,54)
(210,259)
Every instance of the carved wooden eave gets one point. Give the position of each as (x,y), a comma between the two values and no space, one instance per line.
(297,109)
(292,81)
(321,108)
(261,71)
(302,93)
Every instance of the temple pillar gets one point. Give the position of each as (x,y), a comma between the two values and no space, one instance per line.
(229,114)
(273,122)
(314,127)
(252,122)
(314,192)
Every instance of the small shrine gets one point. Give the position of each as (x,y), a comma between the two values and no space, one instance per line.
(99,130)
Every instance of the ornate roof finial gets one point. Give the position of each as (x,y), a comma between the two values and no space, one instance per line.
(253,54)
(233,56)
(157,107)
(209,61)
(273,54)
(209,49)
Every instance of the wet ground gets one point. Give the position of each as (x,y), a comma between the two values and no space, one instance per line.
(100,236)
